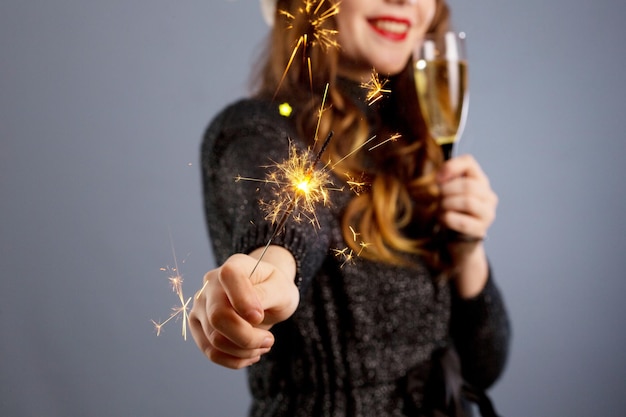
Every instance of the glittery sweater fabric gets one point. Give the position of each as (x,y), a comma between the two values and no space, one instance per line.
(361,328)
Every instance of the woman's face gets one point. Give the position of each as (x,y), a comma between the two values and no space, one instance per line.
(380,34)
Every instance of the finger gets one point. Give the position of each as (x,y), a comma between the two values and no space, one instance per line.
(212,311)
(226,321)
(275,289)
(229,361)
(461,166)
(254,286)
(467,204)
(234,276)
(198,323)
(198,333)
(279,297)
(463,223)
(466,186)
(225,345)
(274,282)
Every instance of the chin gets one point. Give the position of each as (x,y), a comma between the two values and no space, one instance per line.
(390,69)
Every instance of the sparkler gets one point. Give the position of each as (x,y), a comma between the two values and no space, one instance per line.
(301,187)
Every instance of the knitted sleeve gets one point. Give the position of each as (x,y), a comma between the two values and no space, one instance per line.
(244,141)
(481,331)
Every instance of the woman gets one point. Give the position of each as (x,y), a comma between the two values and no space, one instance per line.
(321,336)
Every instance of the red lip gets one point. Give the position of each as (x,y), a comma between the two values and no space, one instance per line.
(392,28)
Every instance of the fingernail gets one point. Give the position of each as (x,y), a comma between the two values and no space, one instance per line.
(255,316)
(268,342)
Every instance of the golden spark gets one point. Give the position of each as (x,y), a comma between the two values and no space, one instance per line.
(375,88)
(179,311)
(300,187)
(346,254)
(362,244)
(391,138)
(357,185)
(315,33)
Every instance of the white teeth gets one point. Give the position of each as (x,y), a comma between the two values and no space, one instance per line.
(390,26)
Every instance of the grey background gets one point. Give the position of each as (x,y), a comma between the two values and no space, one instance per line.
(102,106)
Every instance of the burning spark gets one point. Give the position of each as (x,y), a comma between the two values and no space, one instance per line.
(347,254)
(375,88)
(392,138)
(178,311)
(314,34)
(357,186)
(354,234)
(362,244)
(300,187)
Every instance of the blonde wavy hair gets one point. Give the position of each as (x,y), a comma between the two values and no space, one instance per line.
(397,215)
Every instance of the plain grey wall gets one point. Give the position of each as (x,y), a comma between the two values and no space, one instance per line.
(102,107)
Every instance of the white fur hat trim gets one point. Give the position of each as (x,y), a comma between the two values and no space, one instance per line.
(268,8)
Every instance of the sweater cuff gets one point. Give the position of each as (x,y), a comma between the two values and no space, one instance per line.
(479,305)
(291,239)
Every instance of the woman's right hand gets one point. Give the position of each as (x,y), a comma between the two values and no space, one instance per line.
(232,314)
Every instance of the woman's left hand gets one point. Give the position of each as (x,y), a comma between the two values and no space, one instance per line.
(467,201)
(468,206)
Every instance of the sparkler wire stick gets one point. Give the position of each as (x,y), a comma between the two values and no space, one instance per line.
(319,117)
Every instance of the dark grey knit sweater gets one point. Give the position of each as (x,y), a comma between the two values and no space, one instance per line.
(360,328)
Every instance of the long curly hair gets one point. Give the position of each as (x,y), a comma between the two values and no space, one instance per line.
(397,214)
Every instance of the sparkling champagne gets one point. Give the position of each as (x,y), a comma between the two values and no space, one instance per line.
(442,91)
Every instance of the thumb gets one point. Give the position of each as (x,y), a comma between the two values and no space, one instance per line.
(234,277)
(277,292)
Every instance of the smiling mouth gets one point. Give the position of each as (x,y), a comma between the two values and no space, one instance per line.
(393,29)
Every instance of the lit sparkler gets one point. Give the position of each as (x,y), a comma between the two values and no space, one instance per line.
(301,186)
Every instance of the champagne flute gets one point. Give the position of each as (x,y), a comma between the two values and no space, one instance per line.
(441,80)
